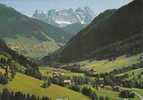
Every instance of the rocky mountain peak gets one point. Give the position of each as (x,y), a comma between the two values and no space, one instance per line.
(64,17)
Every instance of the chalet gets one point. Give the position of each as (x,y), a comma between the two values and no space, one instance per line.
(116,88)
(108,87)
(67,82)
(62,99)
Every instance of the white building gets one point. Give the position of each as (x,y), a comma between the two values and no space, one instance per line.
(62,99)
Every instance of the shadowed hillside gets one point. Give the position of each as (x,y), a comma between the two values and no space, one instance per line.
(22,33)
(116,34)
(74,28)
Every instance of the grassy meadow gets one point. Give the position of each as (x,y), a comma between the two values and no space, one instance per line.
(29,85)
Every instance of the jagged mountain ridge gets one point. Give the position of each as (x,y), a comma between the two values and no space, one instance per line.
(65,17)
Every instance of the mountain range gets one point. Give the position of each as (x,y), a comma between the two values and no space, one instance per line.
(65,17)
(29,36)
(115,34)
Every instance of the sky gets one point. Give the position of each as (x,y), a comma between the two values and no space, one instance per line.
(28,7)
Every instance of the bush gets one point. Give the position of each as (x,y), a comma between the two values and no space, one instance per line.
(46,83)
(3,79)
(127,94)
(33,72)
(101,98)
(75,88)
(94,96)
(87,91)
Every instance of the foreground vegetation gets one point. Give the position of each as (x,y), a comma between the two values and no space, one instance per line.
(82,81)
(32,86)
(6,95)
(84,84)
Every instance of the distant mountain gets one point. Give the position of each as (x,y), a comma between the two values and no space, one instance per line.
(121,32)
(65,17)
(29,36)
(99,19)
(77,27)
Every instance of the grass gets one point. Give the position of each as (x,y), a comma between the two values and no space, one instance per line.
(136,72)
(31,46)
(106,65)
(140,91)
(112,94)
(29,85)
(44,71)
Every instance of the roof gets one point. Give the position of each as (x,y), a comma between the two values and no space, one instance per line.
(67,81)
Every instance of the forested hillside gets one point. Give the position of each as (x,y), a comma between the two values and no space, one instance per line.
(119,33)
(29,36)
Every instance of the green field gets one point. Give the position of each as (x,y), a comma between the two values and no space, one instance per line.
(131,75)
(106,65)
(140,91)
(67,73)
(31,85)
(100,92)
(31,46)
(111,94)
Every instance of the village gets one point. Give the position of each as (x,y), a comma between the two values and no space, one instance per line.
(67,79)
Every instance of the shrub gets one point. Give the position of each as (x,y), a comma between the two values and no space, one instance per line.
(75,88)
(127,94)
(46,83)
(3,79)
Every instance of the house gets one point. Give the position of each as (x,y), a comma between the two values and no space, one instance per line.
(116,88)
(108,87)
(62,99)
(67,82)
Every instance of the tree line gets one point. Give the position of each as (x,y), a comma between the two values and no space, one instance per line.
(6,95)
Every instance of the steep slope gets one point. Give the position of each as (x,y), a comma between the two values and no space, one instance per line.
(15,25)
(11,58)
(29,85)
(77,27)
(74,28)
(119,34)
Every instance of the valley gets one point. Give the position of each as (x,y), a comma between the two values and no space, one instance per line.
(71,53)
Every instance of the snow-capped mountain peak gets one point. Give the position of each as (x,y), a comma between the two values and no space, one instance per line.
(62,18)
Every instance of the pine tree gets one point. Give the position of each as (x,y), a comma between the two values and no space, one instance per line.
(5,95)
